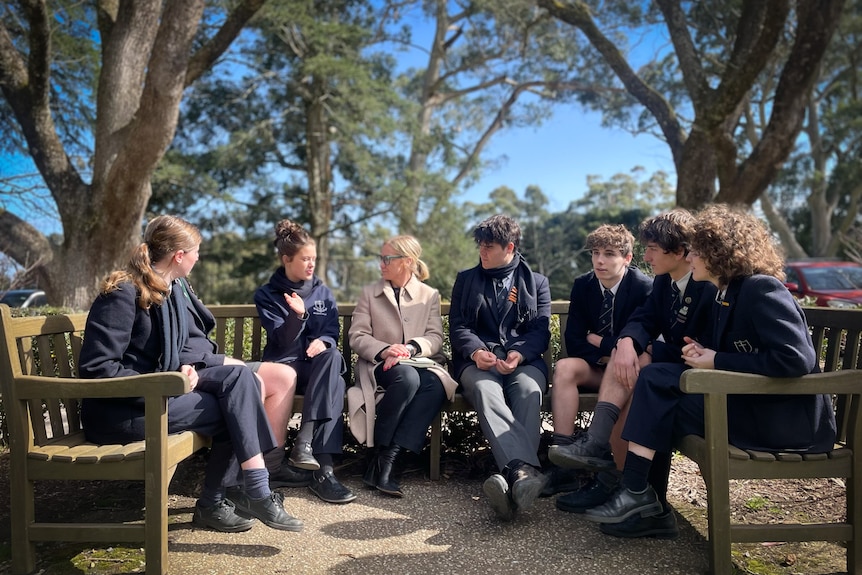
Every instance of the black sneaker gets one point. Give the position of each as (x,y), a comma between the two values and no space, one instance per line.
(497,490)
(595,493)
(561,481)
(584,453)
(525,484)
(289,476)
(222,517)
(661,526)
(329,489)
(270,510)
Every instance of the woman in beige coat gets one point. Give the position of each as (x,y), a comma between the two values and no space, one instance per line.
(397,332)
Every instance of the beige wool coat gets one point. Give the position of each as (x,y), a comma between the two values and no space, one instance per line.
(378,323)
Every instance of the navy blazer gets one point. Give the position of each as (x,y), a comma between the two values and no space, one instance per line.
(585,307)
(760,328)
(467,334)
(654,318)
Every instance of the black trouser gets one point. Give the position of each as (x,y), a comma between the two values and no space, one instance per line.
(413,398)
(320,383)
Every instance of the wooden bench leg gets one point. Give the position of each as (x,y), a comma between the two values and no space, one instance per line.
(22,516)
(436,441)
(718,510)
(854,516)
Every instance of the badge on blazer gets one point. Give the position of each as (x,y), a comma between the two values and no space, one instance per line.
(319,307)
(744,346)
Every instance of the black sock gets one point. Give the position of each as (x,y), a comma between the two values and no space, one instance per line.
(306,432)
(210,496)
(325,461)
(256,483)
(604,418)
(561,439)
(635,472)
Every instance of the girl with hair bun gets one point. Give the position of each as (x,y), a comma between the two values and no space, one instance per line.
(300,317)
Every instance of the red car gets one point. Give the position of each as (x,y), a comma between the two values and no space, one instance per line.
(832,283)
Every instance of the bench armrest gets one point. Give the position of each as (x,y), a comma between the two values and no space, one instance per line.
(150,385)
(715,381)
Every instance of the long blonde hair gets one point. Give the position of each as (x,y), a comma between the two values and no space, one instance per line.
(163,236)
(409,246)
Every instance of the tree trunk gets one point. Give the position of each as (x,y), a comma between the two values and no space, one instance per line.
(319,174)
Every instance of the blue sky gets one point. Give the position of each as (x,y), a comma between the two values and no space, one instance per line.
(559,155)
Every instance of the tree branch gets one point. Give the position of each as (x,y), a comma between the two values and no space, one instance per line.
(816,23)
(577,14)
(207,55)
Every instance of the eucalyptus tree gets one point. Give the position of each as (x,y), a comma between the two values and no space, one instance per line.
(96,127)
(304,123)
(489,65)
(693,92)
(814,205)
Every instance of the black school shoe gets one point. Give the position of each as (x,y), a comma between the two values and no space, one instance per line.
(561,480)
(584,453)
(222,517)
(270,510)
(329,489)
(661,526)
(593,494)
(289,476)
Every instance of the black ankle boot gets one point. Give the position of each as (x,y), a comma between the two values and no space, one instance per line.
(370,477)
(384,464)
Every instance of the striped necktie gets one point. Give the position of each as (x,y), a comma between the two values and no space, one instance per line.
(606,318)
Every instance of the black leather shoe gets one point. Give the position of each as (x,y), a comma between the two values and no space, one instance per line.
(270,510)
(525,483)
(289,476)
(595,493)
(301,456)
(661,526)
(624,503)
(329,489)
(370,476)
(561,481)
(221,517)
(584,453)
(385,474)
(497,491)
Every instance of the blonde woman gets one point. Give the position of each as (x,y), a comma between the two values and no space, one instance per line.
(397,319)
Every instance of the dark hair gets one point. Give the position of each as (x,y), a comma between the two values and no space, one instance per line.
(290,237)
(498,229)
(734,243)
(163,236)
(671,230)
(614,236)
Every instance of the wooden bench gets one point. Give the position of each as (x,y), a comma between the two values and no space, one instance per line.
(248,343)
(41,398)
(837,334)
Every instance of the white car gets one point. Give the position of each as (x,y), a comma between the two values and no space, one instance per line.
(24,298)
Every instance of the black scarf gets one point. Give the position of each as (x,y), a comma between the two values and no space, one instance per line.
(173,325)
(303,289)
(522,294)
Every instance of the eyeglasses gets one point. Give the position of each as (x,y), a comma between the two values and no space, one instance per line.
(386,260)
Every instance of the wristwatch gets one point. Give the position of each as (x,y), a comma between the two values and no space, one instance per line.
(412,349)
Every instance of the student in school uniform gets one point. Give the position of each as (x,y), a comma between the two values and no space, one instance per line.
(499,328)
(756,326)
(601,302)
(654,332)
